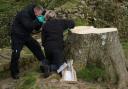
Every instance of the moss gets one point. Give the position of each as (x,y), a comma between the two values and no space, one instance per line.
(91,73)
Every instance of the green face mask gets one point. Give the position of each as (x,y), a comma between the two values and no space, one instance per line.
(41,19)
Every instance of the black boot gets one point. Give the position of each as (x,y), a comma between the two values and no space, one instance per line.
(15,76)
(46,70)
(53,68)
(43,66)
(14,72)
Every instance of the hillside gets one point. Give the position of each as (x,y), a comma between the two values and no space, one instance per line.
(97,13)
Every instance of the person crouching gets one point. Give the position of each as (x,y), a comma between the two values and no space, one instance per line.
(52,39)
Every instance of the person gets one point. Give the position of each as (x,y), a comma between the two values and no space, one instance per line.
(25,22)
(52,39)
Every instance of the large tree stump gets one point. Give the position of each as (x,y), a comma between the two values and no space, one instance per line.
(98,45)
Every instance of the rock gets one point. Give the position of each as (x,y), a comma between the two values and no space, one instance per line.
(54,81)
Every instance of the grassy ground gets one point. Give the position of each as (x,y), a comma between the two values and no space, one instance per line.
(29,80)
(30,77)
(125,47)
(91,73)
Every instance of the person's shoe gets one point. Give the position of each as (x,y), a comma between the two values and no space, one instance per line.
(15,76)
(41,69)
(43,65)
(46,75)
(46,70)
(53,68)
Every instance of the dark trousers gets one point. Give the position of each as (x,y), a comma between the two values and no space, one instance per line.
(55,56)
(17,45)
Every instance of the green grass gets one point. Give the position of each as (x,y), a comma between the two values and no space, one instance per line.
(80,22)
(4,74)
(125,48)
(125,45)
(55,3)
(91,73)
(69,4)
(29,80)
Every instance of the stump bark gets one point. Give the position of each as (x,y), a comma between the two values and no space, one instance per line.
(101,46)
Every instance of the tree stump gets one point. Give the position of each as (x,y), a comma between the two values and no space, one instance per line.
(101,46)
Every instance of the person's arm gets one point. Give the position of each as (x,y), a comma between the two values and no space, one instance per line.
(29,24)
(68,24)
(42,35)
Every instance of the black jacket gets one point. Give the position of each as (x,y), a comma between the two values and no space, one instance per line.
(24,22)
(52,32)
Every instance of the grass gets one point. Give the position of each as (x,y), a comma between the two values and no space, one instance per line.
(69,4)
(55,3)
(4,74)
(28,80)
(66,4)
(7,6)
(125,45)
(91,73)
(80,22)
(125,48)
